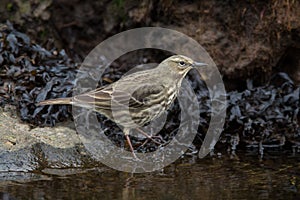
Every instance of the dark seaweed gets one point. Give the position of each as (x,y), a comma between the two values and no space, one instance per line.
(266,115)
(29,74)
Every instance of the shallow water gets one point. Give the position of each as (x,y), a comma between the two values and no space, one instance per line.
(276,176)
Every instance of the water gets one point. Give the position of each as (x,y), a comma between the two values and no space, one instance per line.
(245,176)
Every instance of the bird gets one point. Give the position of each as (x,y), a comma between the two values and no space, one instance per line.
(137,98)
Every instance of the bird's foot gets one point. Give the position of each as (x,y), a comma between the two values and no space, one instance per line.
(160,139)
(152,138)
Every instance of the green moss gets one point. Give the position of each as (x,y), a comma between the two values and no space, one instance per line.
(9,7)
(42,34)
(119,3)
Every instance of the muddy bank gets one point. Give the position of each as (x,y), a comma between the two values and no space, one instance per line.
(245,38)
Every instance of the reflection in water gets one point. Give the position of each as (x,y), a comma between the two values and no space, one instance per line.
(275,177)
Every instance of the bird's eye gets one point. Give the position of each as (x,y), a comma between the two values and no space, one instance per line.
(181,63)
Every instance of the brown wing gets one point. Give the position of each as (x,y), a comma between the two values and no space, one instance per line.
(102,97)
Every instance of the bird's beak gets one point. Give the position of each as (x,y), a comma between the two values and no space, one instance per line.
(199,64)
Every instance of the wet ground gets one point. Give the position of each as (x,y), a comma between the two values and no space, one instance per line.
(276,176)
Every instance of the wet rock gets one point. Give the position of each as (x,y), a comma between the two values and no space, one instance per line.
(22,160)
(25,149)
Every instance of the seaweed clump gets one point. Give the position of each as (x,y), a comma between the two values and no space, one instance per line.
(264,116)
(29,73)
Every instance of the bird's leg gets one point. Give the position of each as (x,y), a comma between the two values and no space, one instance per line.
(126,133)
(130,145)
(148,137)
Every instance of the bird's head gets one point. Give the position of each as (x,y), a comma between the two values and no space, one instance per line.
(181,64)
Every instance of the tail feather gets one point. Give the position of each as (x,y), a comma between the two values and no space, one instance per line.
(55,101)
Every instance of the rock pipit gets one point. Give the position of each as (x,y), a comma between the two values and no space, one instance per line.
(137,98)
